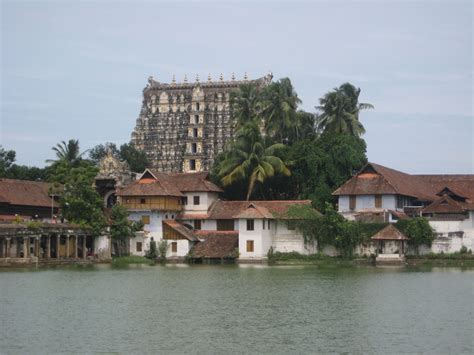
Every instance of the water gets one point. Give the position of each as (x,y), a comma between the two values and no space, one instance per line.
(229,309)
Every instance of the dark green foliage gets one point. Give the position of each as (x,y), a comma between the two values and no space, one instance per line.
(162,249)
(418,230)
(68,153)
(340,111)
(7,157)
(322,165)
(121,228)
(328,229)
(80,203)
(135,158)
(152,252)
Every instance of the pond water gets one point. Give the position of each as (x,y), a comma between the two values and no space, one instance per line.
(243,309)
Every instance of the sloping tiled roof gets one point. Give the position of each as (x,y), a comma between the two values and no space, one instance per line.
(217,246)
(252,209)
(188,182)
(378,179)
(25,193)
(444,204)
(148,187)
(389,233)
(180,229)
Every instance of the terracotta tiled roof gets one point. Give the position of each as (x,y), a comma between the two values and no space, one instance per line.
(180,229)
(252,209)
(217,246)
(207,233)
(378,179)
(25,193)
(389,233)
(149,188)
(188,182)
(445,204)
(189,216)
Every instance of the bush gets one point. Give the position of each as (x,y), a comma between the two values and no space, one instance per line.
(162,249)
(151,253)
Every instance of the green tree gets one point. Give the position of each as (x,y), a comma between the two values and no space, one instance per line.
(251,161)
(99,151)
(80,203)
(419,231)
(246,104)
(7,158)
(136,159)
(68,153)
(279,106)
(121,229)
(340,110)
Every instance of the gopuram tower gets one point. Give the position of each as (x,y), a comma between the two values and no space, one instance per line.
(183,126)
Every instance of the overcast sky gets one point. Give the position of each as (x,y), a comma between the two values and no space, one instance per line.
(77,70)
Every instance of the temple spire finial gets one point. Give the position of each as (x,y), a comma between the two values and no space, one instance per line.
(221,77)
(173,80)
(233,76)
(246,76)
(185,78)
(197,78)
(209,79)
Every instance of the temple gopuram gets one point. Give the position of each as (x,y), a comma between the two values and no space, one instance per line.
(182,127)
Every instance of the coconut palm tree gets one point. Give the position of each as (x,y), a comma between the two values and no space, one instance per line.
(340,110)
(246,103)
(67,152)
(279,105)
(250,160)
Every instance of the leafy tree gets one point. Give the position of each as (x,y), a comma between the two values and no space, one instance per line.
(7,158)
(120,228)
(80,203)
(68,153)
(340,110)
(250,160)
(100,150)
(152,252)
(246,104)
(419,231)
(279,103)
(136,159)
(162,249)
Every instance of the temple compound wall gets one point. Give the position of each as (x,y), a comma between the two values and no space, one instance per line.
(182,127)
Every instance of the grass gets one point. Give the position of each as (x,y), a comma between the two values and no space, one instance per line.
(295,258)
(132,259)
(443,259)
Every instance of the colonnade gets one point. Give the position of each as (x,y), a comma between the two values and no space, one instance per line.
(51,246)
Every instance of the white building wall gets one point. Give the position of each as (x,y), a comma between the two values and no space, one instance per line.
(261,240)
(205,201)
(389,202)
(365,202)
(449,241)
(343,203)
(103,247)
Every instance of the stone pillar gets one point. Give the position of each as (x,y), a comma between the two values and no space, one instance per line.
(7,252)
(37,246)
(67,246)
(58,242)
(75,246)
(48,246)
(84,253)
(26,246)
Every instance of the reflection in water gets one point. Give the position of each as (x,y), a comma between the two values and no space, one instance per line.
(235,308)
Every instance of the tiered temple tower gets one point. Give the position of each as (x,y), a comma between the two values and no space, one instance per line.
(183,126)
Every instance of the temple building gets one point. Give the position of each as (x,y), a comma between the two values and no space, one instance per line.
(182,127)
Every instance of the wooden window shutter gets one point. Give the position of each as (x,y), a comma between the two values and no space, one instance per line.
(352,202)
(378,201)
(250,246)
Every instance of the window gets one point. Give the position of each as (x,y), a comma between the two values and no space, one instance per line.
(352,202)
(193,147)
(197,106)
(225,224)
(250,225)
(146,219)
(192,164)
(269,225)
(263,224)
(195,132)
(174,247)
(185,200)
(197,224)
(250,246)
(142,201)
(196,118)
(196,200)
(139,246)
(378,201)
(291,225)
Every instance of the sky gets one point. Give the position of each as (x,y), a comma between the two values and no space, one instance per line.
(77,69)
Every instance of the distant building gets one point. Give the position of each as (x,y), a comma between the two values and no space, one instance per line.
(182,127)
(378,193)
(185,210)
(27,200)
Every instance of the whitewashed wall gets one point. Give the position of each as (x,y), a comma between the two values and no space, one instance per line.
(205,201)
(261,240)
(103,247)
(389,202)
